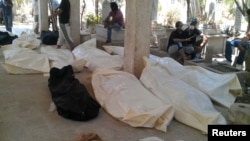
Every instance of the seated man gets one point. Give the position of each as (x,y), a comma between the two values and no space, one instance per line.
(114,20)
(241,44)
(175,48)
(193,32)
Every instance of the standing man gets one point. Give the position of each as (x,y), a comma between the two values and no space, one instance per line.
(7,14)
(35,14)
(63,11)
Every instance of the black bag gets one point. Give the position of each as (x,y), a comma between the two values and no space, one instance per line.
(71,98)
(6,39)
(49,37)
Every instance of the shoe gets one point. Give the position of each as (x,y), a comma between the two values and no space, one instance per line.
(225,62)
(239,67)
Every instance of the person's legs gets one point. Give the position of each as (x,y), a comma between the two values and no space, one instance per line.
(176,52)
(66,34)
(199,49)
(229,48)
(241,56)
(109,33)
(172,50)
(9,23)
(115,26)
(190,51)
(60,40)
(6,22)
(183,55)
(36,27)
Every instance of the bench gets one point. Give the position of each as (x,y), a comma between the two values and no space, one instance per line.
(101,36)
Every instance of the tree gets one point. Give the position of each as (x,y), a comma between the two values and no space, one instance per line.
(96,7)
(242,6)
(83,10)
(195,9)
(188,9)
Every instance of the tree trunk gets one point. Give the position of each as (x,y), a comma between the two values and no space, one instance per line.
(242,6)
(83,9)
(96,7)
(188,10)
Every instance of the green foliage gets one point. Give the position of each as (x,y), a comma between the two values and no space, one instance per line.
(93,19)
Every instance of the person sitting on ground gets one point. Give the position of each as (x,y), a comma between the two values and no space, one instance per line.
(175,48)
(193,32)
(242,44)
(114,20)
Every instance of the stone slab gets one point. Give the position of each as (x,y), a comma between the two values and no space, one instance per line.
(219,68)
(101,34)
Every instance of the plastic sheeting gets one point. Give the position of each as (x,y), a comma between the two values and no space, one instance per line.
(58,57)
(10,51)
(216,86)
(96,58)
(192,107)
(115,50)
(24,61)
(123,96)
(26,41)
(23,57)
(220,88)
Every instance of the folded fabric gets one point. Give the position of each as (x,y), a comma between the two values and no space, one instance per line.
(192,107)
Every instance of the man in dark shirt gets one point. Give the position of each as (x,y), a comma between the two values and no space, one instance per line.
(63,11)
(175,49)
(193,33)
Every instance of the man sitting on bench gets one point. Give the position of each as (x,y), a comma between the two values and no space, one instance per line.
(114,20)
(241,44)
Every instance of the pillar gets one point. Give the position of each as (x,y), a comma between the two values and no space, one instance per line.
(43,15)
(137,34)
(75,20)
